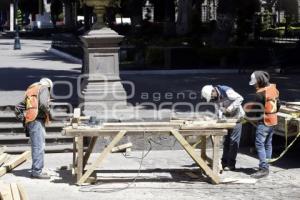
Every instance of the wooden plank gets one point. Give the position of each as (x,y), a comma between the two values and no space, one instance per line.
(22,191)
(100,132)
(74,165)
(91,133)
(3,158)
(128,152)
(216,152)
(201,163)
(89,151)
(203,147)
(141,124)
(204,132)
(77,113)
(15,191)
(122,147)
(204,125)
(289,110)
(102,156)
(2,149)
(5,192)
(80,157)
(3,170)
(16,161)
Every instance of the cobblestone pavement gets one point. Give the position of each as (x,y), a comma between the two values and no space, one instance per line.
(164,175)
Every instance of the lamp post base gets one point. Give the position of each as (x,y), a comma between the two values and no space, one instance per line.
(17,45)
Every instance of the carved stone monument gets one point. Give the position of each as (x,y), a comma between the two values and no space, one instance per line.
(102,90)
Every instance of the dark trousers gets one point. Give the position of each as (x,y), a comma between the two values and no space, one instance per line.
(231,146)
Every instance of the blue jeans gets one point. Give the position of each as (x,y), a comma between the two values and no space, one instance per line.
(263,144)
(37,133)
(231,145)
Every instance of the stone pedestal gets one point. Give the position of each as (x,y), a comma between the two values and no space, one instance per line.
(102,91)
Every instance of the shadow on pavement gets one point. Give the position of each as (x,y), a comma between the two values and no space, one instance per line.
(176,175)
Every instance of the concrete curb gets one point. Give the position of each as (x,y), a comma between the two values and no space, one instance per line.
(64,55)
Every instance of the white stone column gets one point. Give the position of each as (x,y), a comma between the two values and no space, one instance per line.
(12,17)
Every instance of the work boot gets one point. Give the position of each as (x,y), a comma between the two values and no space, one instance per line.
(229,168)
(260,173)
(43,175)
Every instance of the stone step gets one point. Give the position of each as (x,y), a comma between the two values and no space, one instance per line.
(22,139)
(50,148)
(10,117)
(10,127)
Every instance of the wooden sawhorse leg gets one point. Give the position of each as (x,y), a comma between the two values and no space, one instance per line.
(191,151)
(89,150)
(203,147)
(79,167)
(102,156)
(216,153)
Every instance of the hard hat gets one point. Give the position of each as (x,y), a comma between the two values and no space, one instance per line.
(253,80)
(206,92)
(46,82)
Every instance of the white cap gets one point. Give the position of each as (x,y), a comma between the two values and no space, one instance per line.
(46,82)
(206,92)
(253,80)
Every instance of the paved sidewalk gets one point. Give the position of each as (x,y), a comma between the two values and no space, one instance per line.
(19,68)
(164,175)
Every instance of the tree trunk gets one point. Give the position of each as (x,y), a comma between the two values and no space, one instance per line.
(184,17)
(225,23)
(169,23)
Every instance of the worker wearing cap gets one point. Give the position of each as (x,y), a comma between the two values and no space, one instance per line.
(266,105)
(229,104)
(37,112)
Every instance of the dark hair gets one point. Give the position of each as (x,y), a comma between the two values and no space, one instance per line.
(263,78)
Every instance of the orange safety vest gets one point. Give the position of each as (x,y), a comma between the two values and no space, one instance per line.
(270,110)
(32,102)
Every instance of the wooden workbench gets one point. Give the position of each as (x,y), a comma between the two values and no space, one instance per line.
(177,129)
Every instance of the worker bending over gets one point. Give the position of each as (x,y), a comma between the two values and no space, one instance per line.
(36,114)
(229,104)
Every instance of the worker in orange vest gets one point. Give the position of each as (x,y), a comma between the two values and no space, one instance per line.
(36,115)
(266,106)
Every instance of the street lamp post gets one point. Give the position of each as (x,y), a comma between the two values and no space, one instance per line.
(17,44)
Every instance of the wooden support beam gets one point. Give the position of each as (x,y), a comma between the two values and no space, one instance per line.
(3,170)
(16,161)
(122,147)
(191,151)
(23,193)
(102,156)
(204,125)
(216,152)
(3,158)
(89,151)
(79,157)
(74,165)
(15,191)
(5,192)
(203,147)
(2,149)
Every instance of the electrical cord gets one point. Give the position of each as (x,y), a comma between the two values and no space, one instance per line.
(105,190)
(144,155)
